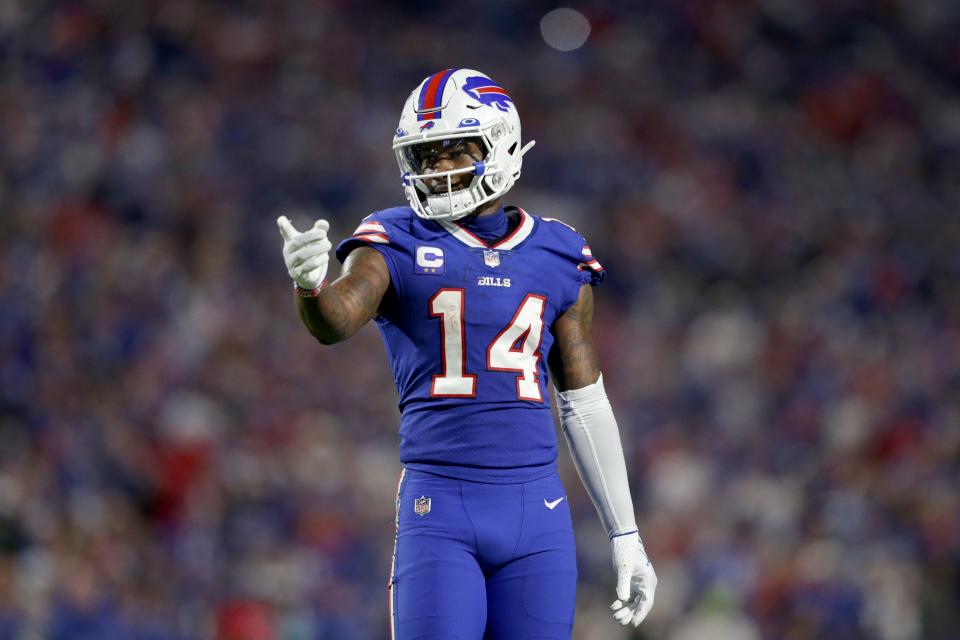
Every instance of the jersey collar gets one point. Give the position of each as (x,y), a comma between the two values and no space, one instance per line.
(521,233)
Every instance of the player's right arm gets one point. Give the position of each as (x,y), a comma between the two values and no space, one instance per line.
(339,310)
(336,312)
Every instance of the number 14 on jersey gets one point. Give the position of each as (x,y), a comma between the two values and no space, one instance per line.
(515,349)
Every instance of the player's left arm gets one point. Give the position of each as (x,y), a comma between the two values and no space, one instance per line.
(573,359)
(590,429)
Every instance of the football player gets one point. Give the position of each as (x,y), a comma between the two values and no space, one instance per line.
(478,305)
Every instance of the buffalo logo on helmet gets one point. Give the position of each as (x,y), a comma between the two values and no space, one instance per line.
(427,125)
(486,91)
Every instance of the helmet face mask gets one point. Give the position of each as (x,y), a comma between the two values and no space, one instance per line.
(419,155)
(451,107)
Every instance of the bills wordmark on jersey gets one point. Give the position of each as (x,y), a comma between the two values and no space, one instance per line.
(492,281)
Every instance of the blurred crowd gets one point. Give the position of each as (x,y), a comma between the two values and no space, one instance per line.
(772,185)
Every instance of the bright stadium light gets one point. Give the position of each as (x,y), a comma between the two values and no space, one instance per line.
(565,29)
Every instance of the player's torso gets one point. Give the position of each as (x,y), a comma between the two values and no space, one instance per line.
(467,327)
(474,320)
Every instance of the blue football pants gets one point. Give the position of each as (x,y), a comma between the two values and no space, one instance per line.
(479,561)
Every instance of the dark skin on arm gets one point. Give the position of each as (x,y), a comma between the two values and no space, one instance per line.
(573,359)
(351,301)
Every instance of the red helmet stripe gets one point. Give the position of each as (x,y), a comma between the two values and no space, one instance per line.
(432,94)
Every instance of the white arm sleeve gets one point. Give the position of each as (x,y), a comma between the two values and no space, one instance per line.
(591,431)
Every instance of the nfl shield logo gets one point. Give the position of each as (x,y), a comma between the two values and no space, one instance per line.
(491,258)
(421,506)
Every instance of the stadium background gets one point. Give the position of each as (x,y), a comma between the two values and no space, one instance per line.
(773,186)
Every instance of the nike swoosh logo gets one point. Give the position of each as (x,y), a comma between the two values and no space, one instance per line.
(553,504)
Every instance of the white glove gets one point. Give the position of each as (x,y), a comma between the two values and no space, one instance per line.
(305,253)
(636,580)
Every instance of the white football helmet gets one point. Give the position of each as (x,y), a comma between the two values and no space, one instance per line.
(449,106)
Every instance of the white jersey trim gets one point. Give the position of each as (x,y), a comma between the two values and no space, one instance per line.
(521,233)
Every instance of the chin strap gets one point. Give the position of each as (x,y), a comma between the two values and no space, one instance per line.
(527,147)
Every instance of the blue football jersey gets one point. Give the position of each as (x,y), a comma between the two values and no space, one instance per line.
(467,329)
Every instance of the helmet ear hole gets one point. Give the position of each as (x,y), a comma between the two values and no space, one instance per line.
(512,148)
(497,180)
